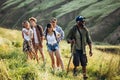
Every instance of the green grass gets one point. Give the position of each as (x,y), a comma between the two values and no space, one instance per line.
(103,65)
(71,6)
(102,8)
(10,3)
(44,5)
(9,37)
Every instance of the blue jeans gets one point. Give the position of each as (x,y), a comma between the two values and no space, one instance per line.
(53,47)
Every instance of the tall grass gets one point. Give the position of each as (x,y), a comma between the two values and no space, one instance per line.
(104,65)
(14,65)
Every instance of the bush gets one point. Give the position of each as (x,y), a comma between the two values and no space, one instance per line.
(16,43)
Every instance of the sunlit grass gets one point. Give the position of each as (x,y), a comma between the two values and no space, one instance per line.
(103,65)
(9,37)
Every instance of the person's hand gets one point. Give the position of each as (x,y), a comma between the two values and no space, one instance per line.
(27,33)
(72,41)
(90,53)
(58,36)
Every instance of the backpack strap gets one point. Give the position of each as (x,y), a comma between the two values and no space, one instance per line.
(55,36)
(80,36)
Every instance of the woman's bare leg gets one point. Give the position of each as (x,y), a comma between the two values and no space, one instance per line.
(36,56)
(52,59)
(42,54)
(31,55)
(59,59)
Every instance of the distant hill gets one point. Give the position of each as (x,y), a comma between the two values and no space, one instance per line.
(102,16)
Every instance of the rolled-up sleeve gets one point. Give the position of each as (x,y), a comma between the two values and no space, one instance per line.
(59,29)
(88,38)
(70,35)
(62,33)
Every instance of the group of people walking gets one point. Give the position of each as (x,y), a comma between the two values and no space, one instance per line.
(34,35)
(78,36)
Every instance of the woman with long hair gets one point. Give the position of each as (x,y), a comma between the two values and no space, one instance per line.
(52,45)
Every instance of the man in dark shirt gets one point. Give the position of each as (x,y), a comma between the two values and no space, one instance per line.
(79,37)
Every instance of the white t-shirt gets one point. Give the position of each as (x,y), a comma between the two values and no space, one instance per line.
(51,39)
(30,33)
(35,35)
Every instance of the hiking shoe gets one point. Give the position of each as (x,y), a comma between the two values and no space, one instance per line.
(53,71)
(85,77)
(74,72)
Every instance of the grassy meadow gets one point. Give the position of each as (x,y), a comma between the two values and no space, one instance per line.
(103,65)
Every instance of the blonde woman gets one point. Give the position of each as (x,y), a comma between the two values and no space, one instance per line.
(27,34)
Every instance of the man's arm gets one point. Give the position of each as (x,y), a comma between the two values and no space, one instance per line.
(90,47)
(45,31)
(70,36)
(31,34)
(22,35)
(61,32)
(42,33)
(89,41)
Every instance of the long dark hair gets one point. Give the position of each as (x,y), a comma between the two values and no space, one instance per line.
(49,25)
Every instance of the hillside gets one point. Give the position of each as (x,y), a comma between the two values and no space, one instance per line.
(102,16)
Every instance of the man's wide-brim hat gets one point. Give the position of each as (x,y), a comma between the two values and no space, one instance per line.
(32,18)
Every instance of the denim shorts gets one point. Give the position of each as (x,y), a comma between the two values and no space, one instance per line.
(53,47)
(79,57)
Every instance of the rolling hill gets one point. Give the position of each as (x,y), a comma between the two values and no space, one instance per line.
(102,16)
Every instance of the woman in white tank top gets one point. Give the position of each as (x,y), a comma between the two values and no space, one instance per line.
(52,45)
